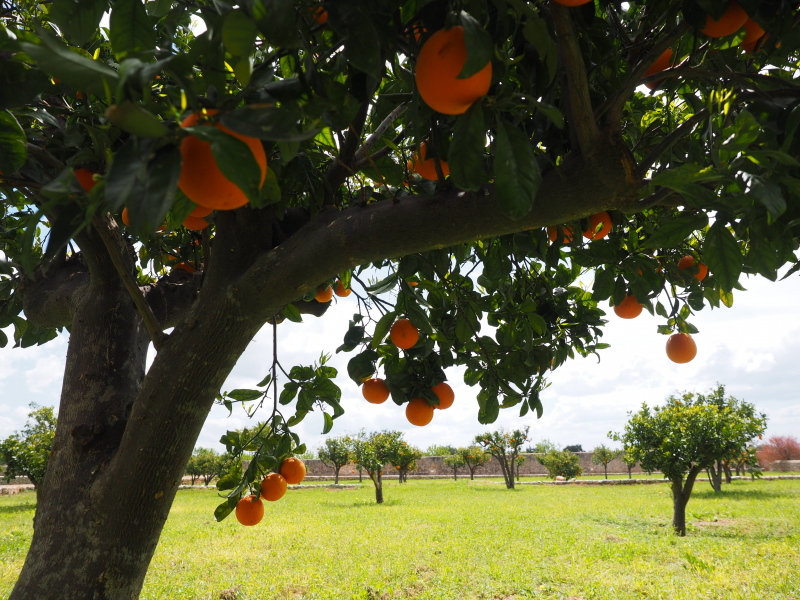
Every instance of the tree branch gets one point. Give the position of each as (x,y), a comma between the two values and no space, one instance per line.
(376,135)
(691,72)
(340,169)
(657,198)
(578,86)
(107,229)
(676,134)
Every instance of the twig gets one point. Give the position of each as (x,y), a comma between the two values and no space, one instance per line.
(655,199)
(681,130)
(379,130)
(108,231)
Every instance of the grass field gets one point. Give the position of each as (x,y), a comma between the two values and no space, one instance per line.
(444,539)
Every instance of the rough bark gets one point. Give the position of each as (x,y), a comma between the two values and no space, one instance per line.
(336,476)
(715,476)
(728,474)
(377,479)
(630,476)
(605,470)
(681,492)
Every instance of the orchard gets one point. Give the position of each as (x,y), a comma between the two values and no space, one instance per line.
(480,180)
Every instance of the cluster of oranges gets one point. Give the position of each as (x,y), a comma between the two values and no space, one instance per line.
(250,509)
(681,348)
(326,291)
(404,335)
(600,220)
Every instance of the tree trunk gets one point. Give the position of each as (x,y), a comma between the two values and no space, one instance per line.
(605,470)
(193,478)
(377,479)
(472,473)
(715,477)
(455,476)
(629,472)
(360,474)
(681,492)
(728,475)
(336,476)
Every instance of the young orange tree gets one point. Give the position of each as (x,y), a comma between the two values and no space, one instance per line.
(505,447)
(474,457)
(158,178)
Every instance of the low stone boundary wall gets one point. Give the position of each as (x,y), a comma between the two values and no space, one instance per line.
(638,481)
(785,465)
(10,490)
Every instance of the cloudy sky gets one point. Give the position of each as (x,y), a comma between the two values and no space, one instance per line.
(752,348)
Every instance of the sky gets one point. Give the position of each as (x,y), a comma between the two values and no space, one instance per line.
(752,348)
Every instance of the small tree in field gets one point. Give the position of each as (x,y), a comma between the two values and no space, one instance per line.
(505,447)
(684,437)
(372,452)
(207,464)
(629,458)
(474,457)
(25,453)
(335,453)
(438,450)
(455,461)
(403,457)
(574,448)
(602,456)
(561,463)
(542,447)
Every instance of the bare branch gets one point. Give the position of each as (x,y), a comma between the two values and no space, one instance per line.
(376,135)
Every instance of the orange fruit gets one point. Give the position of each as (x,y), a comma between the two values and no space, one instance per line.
(417,30)
(185,266)
(566,233)
(754,33)
(730,22)
(341,291)
(573,2)
(195,223)
(681,348)
(375,391)
(440,61)
(419,412)
(594,221)
(404,334)
(293,470)
(201,180)
(662,62)
(445,394)
(628,308)
(324,293)
(250,510)
(413,283)
(201,212)
(427,168)
(125,218)
(688,261)
(320,15)
(85,178)
(273,487)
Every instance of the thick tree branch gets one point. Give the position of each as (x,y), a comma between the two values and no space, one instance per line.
(578,86)
(661,197)
(107,229)
(51,301)
(691,72)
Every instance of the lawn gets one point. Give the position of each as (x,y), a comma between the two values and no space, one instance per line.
(443,539)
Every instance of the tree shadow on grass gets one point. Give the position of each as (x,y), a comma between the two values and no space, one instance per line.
(17,508)
(740,494)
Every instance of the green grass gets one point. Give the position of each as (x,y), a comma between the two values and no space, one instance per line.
(444,539)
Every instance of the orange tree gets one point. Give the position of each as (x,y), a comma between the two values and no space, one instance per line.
(561,463)
(688,435)
(505,447)
(474,457)
(403,457)
(335,453)
(156,178)
(372,453)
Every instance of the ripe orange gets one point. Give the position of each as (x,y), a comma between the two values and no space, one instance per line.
(594,221)
(341,291)
(250,510)
(273,487)
(201,211)
(681,348)
(729,23)
(375,391)
(85,178)
(573,2)
(628,308)
(419,412)
(321,15)
(566,237)
(445,394)
(404,334)
(125,218)
(754,33)
(293,470)
(195,223)
(202,181)
(688,261)
(324,293)
(662,62)
(440,61)
(185,266)
(427,168)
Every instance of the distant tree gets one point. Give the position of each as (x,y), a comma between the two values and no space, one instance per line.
(505,447)
(474,457)
(519,461)
(778,447)
(629,458)
(372,453)
(561,463)
(403,457)
(206,463)
(25,453)
(436,450)
(309,454)
(455,461)
(336,453)
(602,456)
(686,436)
(542,447)
(574,448)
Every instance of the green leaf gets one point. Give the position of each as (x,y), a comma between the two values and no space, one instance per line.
(722,255)
(72,68)
(125,174)
(13,144)
(270,191)
(222,511)
(234,159)
(480,47)
(745,131)
(328,423)
(77,19)
(383,285)
(362,46)
(726,297)
(130,28)
(267,123)
(465,157)
(769,194)
(70,220)
(289,392)
(382,328)
(517,173)
(3,339)
(244,395)
(276,19)
(418,317)
(163,173)
(134,119)
(676,229)
(362,365)
(238,33)
(265,382)
(291,312)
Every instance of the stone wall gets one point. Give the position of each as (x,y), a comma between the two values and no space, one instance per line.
(785,465)
(434,467)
